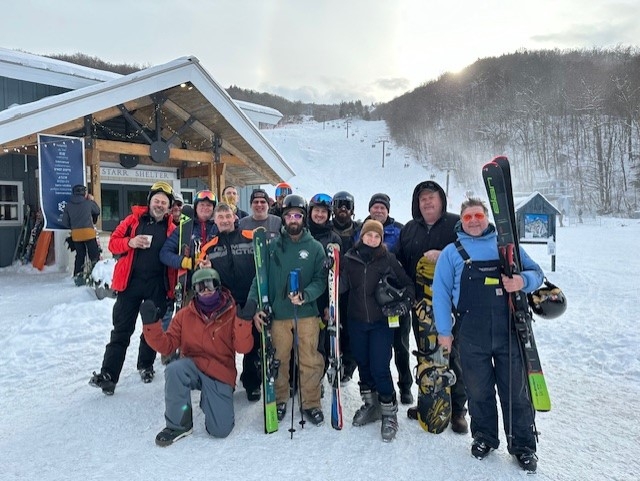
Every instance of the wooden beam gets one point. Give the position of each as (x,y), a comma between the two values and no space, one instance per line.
(92,159)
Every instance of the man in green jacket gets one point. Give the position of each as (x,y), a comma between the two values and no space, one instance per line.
(295,249)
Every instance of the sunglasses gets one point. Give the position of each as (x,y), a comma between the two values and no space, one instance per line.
(207,284)
(206,195)
(476,216)
(294,215)
(283,191)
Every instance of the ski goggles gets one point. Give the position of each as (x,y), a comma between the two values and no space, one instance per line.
(283,191)
(162,186)
(321,200)
(476,216)
(343,204)
(206,195)
(207,284)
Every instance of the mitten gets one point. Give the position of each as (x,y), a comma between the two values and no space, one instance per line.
(149,312)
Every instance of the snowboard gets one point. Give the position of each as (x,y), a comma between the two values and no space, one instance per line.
(497,179)
(433,376)
(268,362)
(334,370)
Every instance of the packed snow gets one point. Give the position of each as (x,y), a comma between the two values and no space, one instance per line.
(55,426)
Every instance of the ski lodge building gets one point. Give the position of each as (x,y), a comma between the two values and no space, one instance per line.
(170,122)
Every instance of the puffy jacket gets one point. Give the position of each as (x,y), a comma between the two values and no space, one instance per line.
(284,256)
(79,215)
(211,342)
(119,246)
(360,279)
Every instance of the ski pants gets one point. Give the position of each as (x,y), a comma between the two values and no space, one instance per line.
(371,347)
(125,312)
(491,359)
(216,399)
(311,363)
(83,248)
(251,376)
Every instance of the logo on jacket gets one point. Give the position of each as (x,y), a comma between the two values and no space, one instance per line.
(303,254)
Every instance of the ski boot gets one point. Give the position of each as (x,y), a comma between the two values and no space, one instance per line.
(389,427)
(104,382)
(370,411)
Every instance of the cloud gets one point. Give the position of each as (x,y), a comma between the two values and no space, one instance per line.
(393,84)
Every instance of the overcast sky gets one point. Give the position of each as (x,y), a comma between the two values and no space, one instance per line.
(320,51)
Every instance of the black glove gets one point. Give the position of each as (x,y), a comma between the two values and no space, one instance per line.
(327,264)
(399,308)
(248,311)
(149,313)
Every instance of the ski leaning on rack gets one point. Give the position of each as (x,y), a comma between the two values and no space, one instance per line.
(433,376)
(497,180)
(268,362)
(334,370)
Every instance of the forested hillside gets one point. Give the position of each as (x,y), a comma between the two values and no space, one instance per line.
(569,120)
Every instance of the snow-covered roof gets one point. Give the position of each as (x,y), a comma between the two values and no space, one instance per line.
(48,71)
(216,113)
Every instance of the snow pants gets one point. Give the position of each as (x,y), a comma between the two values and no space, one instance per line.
(124,314)
(216,398)
(311,363)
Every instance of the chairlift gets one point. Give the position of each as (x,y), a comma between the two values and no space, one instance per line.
(373,146)
(388,154)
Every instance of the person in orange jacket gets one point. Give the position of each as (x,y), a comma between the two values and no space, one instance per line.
(208,333)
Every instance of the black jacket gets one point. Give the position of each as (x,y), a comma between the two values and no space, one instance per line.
(360,278)
(416,237)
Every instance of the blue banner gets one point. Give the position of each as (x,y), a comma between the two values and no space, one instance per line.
(61,164)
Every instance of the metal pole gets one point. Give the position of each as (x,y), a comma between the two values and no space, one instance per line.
(383,144)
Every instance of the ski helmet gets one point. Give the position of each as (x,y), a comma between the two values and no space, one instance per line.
(548,301)
(320,200)
(79,189)
(387,292)
(205,195)
(343,199)
(283,189)
(209,277)
(294,201)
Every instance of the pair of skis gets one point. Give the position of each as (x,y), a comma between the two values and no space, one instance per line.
(497,179)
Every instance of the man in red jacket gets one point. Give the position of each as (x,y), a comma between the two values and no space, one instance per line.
(139,275)
(208,334)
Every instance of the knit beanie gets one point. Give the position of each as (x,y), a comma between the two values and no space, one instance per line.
(372,225)
(259,194)
(380,199)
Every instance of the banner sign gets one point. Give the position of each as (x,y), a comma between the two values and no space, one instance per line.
(61,164)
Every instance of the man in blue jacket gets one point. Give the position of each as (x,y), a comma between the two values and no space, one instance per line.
(469,279)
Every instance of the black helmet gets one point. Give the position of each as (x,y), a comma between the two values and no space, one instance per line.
(548,301)
(79,189)
(343,198)
(294,201)
(387,292)
(320,200)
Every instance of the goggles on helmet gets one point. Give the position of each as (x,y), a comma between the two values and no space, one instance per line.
(283,191)
(207,284)
(206,195)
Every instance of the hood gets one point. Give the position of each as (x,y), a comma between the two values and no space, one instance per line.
(429,184)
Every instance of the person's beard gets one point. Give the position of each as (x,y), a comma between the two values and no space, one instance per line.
(158,212)
(294,228)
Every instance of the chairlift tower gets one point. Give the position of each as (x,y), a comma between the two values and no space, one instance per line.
(383,141)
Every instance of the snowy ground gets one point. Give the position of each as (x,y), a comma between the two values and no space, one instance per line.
(55,426)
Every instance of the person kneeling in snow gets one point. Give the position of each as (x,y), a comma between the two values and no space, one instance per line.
(208,334)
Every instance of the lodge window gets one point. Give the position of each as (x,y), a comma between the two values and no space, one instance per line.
(11,204)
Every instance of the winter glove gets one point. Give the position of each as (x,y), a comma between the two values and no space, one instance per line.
(187,263)
(149,312)
(327,264)
(399,308)
(248,311)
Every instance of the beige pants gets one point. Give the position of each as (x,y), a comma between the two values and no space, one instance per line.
(310,360)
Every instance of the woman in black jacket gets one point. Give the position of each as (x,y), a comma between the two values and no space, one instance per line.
(370,333)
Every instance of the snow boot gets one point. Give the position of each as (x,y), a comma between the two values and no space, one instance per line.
(168,436)
(147,374)
(281,409)
(389,427)
(103,381)
(480,449)
(459,424)
(370,410)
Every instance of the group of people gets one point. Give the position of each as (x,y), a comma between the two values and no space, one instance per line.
(213,255)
